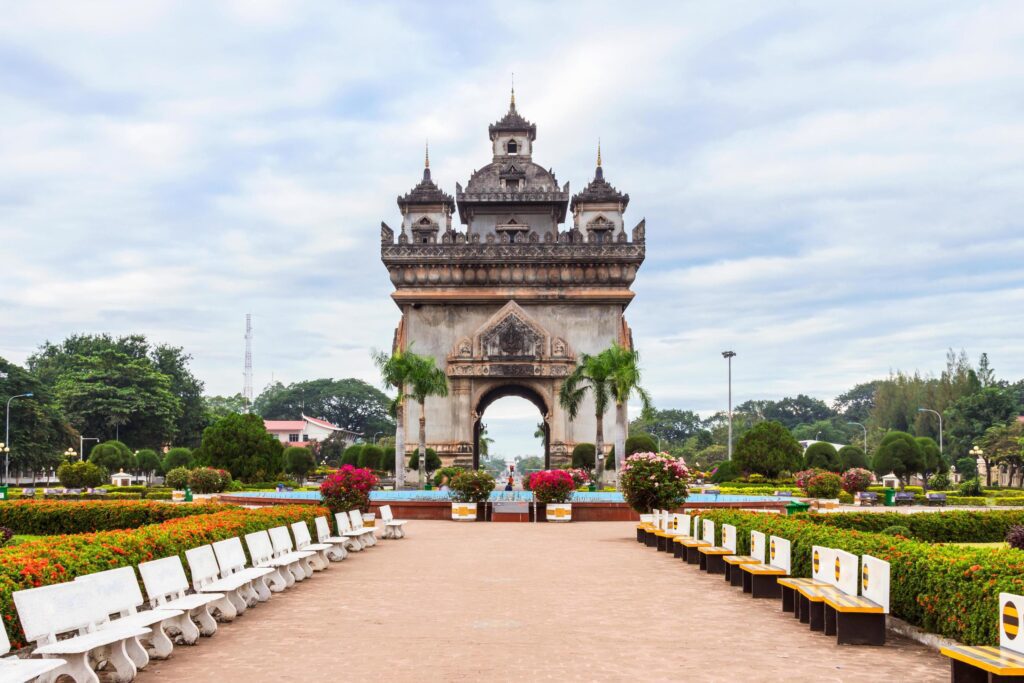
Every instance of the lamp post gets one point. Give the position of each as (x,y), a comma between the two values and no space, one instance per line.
(81,444)
(69,453)
(375,435)
(977,453)
(728,356)
(939,415)
(7,434)
(865,435)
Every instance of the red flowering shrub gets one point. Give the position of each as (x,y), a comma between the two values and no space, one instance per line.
(824,485)
(802,477)
(348,489)
(47,517)
(579,476)
(472,486)
(654,480)
(61,558)
(856,480)
(552,486)
(206,480)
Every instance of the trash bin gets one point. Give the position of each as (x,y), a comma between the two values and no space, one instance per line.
(3,492)
(188,495)
(795,506)
(890,497)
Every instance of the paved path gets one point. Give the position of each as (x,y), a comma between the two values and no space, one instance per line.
(517,602)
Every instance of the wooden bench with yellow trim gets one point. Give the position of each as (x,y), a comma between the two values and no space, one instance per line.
(732,562)
(761,580)
(691,549)
(857,619)
(646,525)
(821,563)
(711,556)
(968,664)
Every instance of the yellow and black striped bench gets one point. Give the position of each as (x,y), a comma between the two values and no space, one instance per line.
(732,567)
(810,603)
(642,529)
(854,619)
(691,546)
(678,549)
(983,663)
(790,586)
(761,580)
(710,558)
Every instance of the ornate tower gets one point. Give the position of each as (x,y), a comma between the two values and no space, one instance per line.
(508,303)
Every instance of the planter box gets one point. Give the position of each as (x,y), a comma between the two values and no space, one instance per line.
(464,512)
(559,512)
(178,496)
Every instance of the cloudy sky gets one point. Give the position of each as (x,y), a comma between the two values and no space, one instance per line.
(831,189)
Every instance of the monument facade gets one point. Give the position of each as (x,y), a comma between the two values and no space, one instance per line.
(506,300)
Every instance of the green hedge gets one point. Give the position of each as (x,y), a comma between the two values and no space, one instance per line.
(956,526)
(62,558)
(51,517)
(946,589)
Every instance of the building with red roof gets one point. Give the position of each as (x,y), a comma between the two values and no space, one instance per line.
(306,431)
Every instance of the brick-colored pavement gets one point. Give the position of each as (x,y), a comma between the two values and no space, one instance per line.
(515,602)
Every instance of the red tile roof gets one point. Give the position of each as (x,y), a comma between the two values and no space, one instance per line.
(284,425)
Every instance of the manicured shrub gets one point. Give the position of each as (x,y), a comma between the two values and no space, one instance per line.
(971,487)
(148,462)
(852,457)
(50,517)
(845,497)
(583,456)
(81,475)
(177,478)
(939,482)
(899,453)
(856,480)
(205,480)
(822,455)
(177,457)
(444,475)
(637,443)
(433,460)
(348,489)
(351,455)
(897,530)
(725,471)
(241,445)
(756,478)
(387,460)
(62,558)
(371,456)
(298,460)
(954,526)
(472,486)
(1015,536)
(653,480)
(824,485)
(768,448)
(552,486)
(113,456)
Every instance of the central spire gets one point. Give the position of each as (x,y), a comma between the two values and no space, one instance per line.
(512,102)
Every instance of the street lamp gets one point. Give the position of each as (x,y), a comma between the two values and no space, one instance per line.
(69,453)
(939,415)
(865,435)
(81,445)
(817,436)
(7,434)
(978,453)
(375,435)
(728,356)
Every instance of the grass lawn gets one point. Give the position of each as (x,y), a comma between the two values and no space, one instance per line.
(21,538)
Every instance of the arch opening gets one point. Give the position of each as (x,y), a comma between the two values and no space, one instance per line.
(512,424)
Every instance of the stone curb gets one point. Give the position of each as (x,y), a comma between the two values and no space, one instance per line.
(916,634)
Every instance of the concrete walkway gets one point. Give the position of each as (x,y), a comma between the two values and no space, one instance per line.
(517,602)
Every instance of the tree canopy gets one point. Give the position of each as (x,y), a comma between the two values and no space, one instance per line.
(241,445)
(768,448)
(899,453)
(351,404)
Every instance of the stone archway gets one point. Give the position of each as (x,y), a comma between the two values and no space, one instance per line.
(502,390)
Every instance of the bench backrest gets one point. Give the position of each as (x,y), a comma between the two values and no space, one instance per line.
(757,545)
(385,513)
(729,537)
(822,559)
(656,518)
(323,528)
(356,517)
(708,531)
(874,582)
(260,547)
(683,524)
(779,553)
(58,608)
(844,571)
(647,519)
(281,540)
(301,533)
(696,527)
(1011,608)
(5,642)
(117,590)
(164,579)
(344,523)
(202,563)
(230,555)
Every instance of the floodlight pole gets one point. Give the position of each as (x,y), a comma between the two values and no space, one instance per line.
(7,435)
(938,415)
(729,355)
(865,435)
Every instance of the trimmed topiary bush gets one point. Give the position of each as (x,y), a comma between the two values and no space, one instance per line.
(205,480)
(371,456)
(725,471)
(824,485)
(851,457)
(177,457)
(177,478)
(351,455)
(970,488)
(822,455)
(298,460)
(583,456)
(113,456)
(433,460)
(81,475)
(845,497)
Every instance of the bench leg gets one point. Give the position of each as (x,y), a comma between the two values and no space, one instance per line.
(677,549)
(816,615)
(207,625)
(124,667)
(748,582)
(860,629)
(318,562)
(306,565)
(76,666)
(279,579)
(238,599)
(188,633)
(693,556)
(788,599)
(962,672)
(337,553)
(225,608)
(158,640)
(639,535)
(651,541)
(702,561)
(764,587)
(249,595)
(830,620)
(736,576)
(137,653)
(261,588)
(716,565)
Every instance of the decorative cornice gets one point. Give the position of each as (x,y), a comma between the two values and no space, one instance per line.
(533,253)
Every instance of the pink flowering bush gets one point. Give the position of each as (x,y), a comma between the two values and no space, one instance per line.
(802,478)
(348,489)
(654,480)
(856,480)
(824,485)
(552,486)
(579,476)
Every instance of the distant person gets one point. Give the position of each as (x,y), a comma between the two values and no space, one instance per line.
(508,486)
(444,483)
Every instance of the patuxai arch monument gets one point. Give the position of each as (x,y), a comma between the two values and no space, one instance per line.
(502,296)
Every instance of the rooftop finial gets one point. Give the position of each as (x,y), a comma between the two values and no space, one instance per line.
(426,158)
(599,151)
(512,102)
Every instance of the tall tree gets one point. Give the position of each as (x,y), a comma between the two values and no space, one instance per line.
(350,403)
(856,404)
(624,366)
(768,448)
(39,432)
(216,407)
(241,445)
(591,375)
(1002,445)
(395,370)
(796,411)
(425,379)
(970,416)
(899,453)
(173,362)
(674,427)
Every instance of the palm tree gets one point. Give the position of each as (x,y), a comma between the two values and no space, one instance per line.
(394,372)
(424,379)
(590,374)
(624,381)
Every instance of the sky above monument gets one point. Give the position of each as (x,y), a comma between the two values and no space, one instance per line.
(832,190)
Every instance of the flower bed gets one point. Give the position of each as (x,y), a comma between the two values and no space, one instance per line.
(654,480)
(48,517)
(956,526)
(348,489)
(949,590)
(551,486)
(62,558)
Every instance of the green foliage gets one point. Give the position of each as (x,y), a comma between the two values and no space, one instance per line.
(899,453)
(42,433)
(939,482)
(708,457)
(637,443)
(967,467)
(148,461)
(216,407)
(205,480)
(387,459)
(654,481)
(971,415)
(241,445)
(298,460)
(768,448)
(177,457)
(851,457)
(51,518)
(823,455)
(81,475)
(348,403)
(351,454)
(583,456)
(675,427)
(970,487)
(897,530)
(592,375)
(845,497)
(824,485)
(444,475)
(371,456)
(955,526)
(470,486)
(726,471)
(433,460)
(113,456)
(177,478)
(931,458)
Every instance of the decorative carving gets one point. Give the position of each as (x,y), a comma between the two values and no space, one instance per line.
(465,348)
(640,232)
(403,239)
(490,238)
(387,235)
(559,349)
(511,338)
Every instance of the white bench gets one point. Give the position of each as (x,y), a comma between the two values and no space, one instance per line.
(338,543)
(393,528)
(858,619)
(359,538)
(118,592)
(231,558)
(73,608)
(237,590)
(303,541)
(283,549)
(167,588)
(356,517)
(262,552)
(17,670)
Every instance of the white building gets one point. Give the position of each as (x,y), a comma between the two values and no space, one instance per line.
(307,430)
